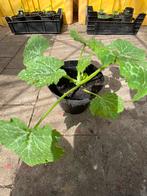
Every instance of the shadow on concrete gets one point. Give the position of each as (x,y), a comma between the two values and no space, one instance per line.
(109,161)
(11,81)
(15,64)
(102,158)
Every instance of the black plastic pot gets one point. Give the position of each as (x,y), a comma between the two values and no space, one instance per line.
(36,22)
(78,101)
(120,25)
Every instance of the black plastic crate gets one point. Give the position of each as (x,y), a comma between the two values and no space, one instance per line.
(36,23)
(123,24)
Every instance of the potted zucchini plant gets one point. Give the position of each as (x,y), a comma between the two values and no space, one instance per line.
(39,144)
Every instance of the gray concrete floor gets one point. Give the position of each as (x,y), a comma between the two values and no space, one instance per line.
(103,158)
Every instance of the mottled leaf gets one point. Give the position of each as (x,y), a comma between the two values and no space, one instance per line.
(34,146)
(127,51)
(35,47)
(103,53)
(43,71)
(133,66)
(136,77)
(107,106)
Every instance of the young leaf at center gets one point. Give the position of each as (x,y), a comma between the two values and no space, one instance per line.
(83,63)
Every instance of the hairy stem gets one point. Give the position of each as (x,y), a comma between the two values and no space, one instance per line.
(89,92)
(70,79)
(67,93)
(55,104)
(92,75)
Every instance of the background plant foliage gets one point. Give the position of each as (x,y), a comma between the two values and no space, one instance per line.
(38,145)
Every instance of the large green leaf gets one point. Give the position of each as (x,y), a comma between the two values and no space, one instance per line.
(136,77)
(34,145)
(43,71)
(35,47)
(103,53)
(133,66)
(127,51)
(107,106)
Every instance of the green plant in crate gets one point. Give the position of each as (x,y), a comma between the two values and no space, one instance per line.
(39,144)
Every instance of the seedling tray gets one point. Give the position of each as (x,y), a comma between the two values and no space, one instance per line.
(36,23)
(116,26)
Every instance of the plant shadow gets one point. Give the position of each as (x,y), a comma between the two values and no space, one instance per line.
(102,158)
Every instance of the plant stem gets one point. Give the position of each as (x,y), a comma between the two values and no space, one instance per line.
(67,93)
(70,78)
(89,92)
(92,75)
(55,104)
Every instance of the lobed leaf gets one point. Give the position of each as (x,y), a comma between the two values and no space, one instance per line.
(133,66)
(103,53)
(107,106)
(43,71)
(35,47)
(136,77)
(34,145)
(126,50)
